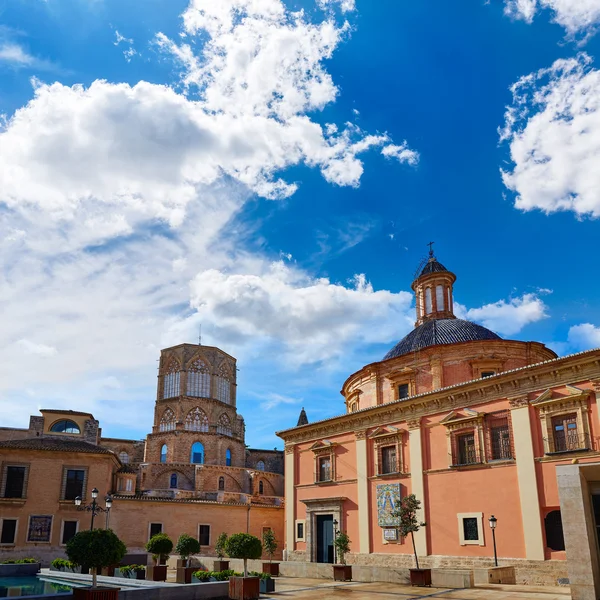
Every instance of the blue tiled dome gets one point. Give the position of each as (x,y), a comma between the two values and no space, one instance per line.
(440,331)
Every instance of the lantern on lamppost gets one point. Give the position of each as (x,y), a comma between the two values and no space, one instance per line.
(94,507)
(493,522)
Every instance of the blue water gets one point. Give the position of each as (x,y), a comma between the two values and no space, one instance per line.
(31,586)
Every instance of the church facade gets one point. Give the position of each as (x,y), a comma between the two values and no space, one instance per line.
(192,474)
(474,426)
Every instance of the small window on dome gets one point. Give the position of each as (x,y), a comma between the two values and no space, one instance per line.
(65,426)
(439,297)
(403,391)
(487,373)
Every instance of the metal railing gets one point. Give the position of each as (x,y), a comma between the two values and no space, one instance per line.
(568,442)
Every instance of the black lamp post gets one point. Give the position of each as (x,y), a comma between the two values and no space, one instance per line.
(94,507)
(493,522)
(335,531)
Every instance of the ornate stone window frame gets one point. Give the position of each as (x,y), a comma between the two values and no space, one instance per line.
(297,537)
(548,408)
(323,449)
(403,376)
(382,437)
(480,541)
(485,365)
(457,425)
(321,506)
(353,401)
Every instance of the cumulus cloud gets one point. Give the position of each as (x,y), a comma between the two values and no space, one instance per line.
(313,319)
(553,131)
(576,16)
(584,336)
(507,317)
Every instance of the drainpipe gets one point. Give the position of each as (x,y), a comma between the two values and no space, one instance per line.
(248,519)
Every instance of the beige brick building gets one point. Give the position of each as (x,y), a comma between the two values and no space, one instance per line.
(193,473)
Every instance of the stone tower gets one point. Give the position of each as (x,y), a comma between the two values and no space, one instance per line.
(195,416)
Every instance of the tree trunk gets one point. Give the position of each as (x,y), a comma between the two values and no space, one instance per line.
(412,535)
(245,567)
(94,577)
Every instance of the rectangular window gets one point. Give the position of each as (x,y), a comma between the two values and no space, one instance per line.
(470,529)
(466,449)
(403,391)
(15,482)
(389,464)
(204,535)
(74,480)
(69,531)
(299,530)
(487,373)
(500,438)
(155,528)
(565,434)
(9,531)
(324,468)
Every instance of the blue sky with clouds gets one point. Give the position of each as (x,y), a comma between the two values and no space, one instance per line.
(273,171)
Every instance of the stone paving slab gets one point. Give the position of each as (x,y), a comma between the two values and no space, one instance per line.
(317,589)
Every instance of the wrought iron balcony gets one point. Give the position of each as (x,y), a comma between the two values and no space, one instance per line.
(569,442)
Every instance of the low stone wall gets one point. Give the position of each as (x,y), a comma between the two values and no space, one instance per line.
(193,591)
(527,572)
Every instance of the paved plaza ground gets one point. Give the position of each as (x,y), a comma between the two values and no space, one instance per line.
(319,589)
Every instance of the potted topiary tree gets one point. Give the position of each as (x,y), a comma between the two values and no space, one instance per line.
(270,546)
(221,565)
(342,571)
(244,546)
(160,546)
(406,513)
(96,548)
(186,546)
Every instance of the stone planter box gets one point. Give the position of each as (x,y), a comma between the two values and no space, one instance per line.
(22,570)
(272,568)
(184,574)
(267,586)
(420,577)
(244,588)
(221,565)
(342,572)
(501,575)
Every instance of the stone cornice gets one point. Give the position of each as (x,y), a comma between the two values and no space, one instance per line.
(514,385)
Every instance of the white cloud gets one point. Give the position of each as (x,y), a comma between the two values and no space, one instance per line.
(506,317)
(315,320)
(39,349)
(553,129)
(16,56)
(345,5)
(121,38)
(273,400)
(576,16)
(584,336)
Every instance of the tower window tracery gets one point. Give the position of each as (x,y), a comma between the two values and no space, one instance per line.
(171,380)
(223,381)
(428,301)
(124,457)
(439,297)
(224,425)
(196,420)
(167,422)
(198,379)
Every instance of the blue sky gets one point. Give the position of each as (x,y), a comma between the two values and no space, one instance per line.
(273,171)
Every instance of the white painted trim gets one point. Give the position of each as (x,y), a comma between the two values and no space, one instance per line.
(362,475)
(303,523)
(480,541)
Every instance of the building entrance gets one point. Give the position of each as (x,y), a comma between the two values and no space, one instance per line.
(324,538)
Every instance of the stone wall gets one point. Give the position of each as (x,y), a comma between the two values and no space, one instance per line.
(273,459)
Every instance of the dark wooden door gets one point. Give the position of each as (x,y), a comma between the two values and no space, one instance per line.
(325,538)
(565,433)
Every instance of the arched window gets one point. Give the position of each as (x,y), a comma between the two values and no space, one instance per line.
(167,422)
(221,483)
(196,420)
(554,531)
(428,305)
(171,380)
(223,381)
(124,457)
(228,458)
(198,379)
(260,465)
(65,426)
(173,483)
(261,487)
(224,425)
(197,454)
(163,454)
(439,297)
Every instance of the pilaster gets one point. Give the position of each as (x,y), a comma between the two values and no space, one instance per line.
(362,474)
(415,446)
(290,496)
(527,478)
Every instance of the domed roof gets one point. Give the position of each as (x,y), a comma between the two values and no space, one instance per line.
(440,331)
(432,266)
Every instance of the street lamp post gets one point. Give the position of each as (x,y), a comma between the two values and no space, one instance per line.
(493,522)
(94,507)
(335,524)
